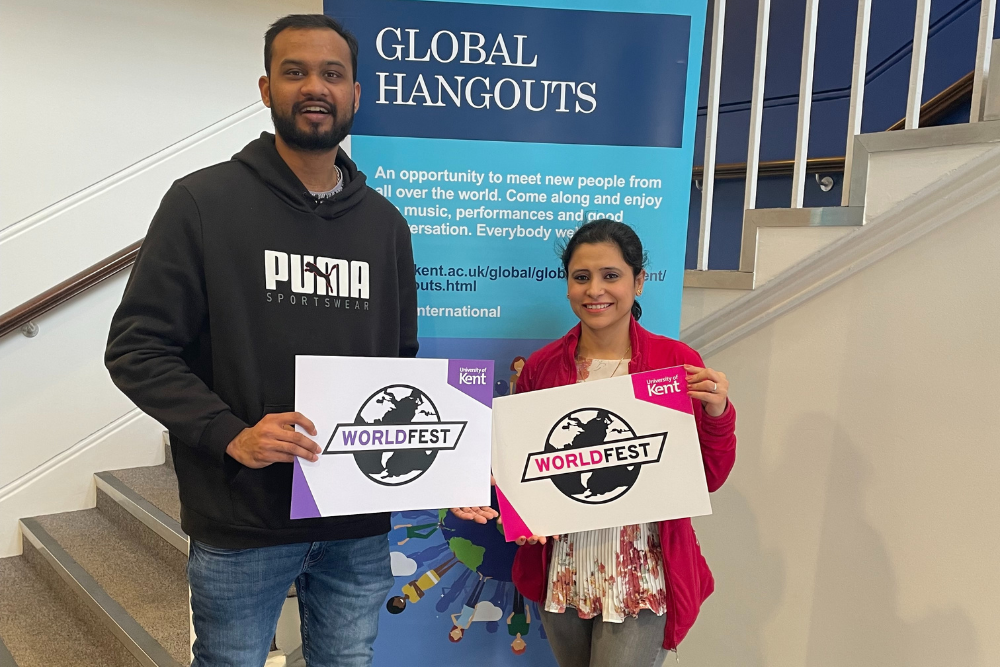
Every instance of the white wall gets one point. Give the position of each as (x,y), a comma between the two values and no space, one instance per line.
(115,96)
(46,248)
(66,481)
(861,525)
(55,389)
(93,86)
(104,104)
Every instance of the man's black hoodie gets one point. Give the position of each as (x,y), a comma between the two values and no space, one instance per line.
(240,271)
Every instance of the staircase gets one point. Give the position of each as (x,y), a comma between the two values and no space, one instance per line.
(889,170)
(102,586)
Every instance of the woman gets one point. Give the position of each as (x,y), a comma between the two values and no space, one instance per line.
(615,596)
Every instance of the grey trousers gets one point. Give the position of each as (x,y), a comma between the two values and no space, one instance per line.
(578,642)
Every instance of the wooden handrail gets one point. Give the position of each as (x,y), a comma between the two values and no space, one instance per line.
(930,111)
(941,104)
(814,165)
(17,317)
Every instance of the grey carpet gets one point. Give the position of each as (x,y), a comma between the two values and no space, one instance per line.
(157,484)
(152,588)
(43,628)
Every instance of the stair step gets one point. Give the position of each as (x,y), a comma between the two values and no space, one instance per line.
(6,659)
(150,496)
(763,218)
(140,589)
(156,484)
(735,280)
(44,624)
(130,507)
(52,612)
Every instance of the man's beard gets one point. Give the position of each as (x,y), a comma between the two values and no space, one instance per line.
(314,139)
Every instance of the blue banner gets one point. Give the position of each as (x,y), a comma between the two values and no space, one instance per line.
(498,129)
(459,71)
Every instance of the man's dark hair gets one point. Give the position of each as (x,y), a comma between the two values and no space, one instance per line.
(309,22)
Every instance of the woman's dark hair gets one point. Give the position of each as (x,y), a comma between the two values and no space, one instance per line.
(617,233)
(309,22)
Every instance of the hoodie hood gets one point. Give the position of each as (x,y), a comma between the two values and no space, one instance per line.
(262,158)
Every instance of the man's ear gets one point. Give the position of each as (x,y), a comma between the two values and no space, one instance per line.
(357,96)
(265,91)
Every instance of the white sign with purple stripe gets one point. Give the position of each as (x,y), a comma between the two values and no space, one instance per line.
(396,434)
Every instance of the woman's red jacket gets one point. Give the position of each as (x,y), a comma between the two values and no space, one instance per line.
(688,579)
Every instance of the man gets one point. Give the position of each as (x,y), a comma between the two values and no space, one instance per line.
(283,250)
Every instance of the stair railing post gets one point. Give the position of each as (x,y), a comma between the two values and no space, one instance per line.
(805,103)
(918,59)
(757,105)
(711,134)
(857,92)
(984,47)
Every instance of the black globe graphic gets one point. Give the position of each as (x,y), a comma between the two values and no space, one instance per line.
(396,404)
(583,428)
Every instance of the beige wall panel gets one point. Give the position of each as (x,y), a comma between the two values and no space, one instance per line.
(861,525)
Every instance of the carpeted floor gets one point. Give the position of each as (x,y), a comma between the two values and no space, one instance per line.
(43,629)
(157,484)
(151,588)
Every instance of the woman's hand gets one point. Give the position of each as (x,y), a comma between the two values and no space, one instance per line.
(477,514)
(534,539)
(708,386)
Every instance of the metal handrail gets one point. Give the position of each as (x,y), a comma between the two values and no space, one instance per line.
(22,315)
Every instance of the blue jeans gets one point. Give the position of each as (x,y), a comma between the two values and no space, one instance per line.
(237,594)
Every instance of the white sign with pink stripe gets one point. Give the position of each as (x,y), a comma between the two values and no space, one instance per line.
(598,454)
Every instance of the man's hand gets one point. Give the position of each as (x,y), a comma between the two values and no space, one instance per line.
(274,440)
(477,514)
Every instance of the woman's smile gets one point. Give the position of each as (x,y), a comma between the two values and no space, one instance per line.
(597,307)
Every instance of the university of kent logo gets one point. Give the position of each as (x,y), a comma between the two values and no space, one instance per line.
(396,435)
(593,456)
(307,280)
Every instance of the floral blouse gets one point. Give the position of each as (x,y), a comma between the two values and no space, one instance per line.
(611,572)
